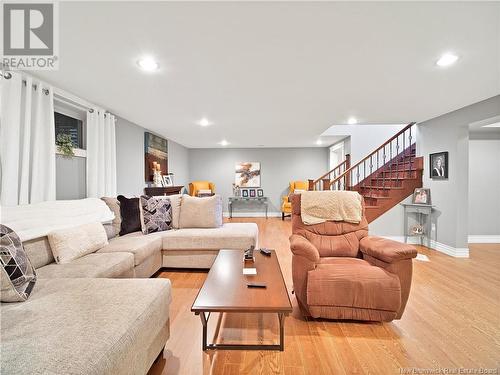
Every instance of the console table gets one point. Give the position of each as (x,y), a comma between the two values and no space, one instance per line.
(423,212)
(163,190)
(259,200)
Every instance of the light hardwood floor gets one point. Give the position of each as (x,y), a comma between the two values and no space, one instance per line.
(452,320)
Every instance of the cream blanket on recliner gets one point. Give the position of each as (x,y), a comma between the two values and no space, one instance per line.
(319,206)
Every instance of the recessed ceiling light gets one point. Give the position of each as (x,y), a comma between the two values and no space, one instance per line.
(148,64)
(204,122)
(352,121)
(319,142)
(223,142)
(495,125)
(447,59)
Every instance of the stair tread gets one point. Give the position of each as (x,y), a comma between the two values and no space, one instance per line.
(382,187)
(374,196)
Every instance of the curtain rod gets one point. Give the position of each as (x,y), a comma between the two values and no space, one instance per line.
(8,75)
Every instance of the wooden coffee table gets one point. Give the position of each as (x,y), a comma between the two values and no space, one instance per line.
(225,291)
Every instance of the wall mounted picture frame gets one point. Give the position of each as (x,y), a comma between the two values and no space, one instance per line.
(422,196)
(260,193)
(155,153)
(252,193)
(247,174)
(438,165)
(244,193)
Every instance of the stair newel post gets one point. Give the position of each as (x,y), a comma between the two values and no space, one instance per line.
(347,177)
(411,150)
(383,163)
(311,185)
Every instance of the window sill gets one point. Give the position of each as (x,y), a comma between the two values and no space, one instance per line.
(79,153)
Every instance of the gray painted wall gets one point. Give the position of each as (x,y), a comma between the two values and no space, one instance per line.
(484,185)
(279,166)
(70,178)
(130,159)
(450,132)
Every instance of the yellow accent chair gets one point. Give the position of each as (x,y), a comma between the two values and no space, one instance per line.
(286,207)
(196,186)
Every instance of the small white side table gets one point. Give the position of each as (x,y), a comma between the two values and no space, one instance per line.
(424,212)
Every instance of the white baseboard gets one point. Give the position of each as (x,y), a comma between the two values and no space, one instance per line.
(457,252)
(252,214)
(475,238)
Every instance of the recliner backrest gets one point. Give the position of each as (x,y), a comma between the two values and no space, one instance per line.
(331,238)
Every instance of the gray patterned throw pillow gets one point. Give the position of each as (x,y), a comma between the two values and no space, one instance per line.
(17,274)
(156,214)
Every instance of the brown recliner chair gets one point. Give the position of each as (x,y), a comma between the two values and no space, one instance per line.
(340,272)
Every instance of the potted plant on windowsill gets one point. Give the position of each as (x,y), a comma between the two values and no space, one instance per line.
(65,145)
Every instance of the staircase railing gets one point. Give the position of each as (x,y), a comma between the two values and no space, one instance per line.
(324,182)
(396,150)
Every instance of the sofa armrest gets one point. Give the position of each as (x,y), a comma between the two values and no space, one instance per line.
(386,250)
(302,247)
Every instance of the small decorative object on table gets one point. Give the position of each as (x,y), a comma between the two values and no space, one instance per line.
(157,179)
(260,193)
(168,180)
(422,196)
(252,193)
(244,193)
(248,257)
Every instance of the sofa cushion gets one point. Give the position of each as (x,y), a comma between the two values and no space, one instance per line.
(86,326)
(228,236)
(17,275)
(91,265)
(71,243)
(39,251)
(130,213)
(156,214)
(114,206)
(201,212)
(141,246)
(356,284)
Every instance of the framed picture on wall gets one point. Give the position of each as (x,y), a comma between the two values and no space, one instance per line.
(260,193)
(247,174)
(244,193)
(438,165)
(252,193)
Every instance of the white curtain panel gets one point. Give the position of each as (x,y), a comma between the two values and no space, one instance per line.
(101,154)
(27,141)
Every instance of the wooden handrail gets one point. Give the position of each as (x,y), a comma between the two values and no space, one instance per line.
(326,177)
(349,170)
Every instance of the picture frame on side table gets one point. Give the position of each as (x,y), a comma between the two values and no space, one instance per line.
(244,193)
(438,165)
(252,193)
(167,180)
(260,193)
(422,196)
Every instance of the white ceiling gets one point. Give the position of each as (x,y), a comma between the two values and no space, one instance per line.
(276,74)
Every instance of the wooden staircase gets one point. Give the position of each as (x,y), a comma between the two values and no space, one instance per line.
(384,177)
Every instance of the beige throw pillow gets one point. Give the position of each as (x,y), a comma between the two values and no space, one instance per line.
(114,205)
(201,212)
(72,243)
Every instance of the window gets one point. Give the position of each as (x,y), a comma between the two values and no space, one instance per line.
(69,125)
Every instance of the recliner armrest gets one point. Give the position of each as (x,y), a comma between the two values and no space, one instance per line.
(302,247)
(386,250)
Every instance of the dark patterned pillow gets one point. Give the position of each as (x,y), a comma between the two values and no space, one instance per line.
(156,214)
(130,213)
(17,275)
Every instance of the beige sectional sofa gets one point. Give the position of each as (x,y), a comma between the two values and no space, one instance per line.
(80,319)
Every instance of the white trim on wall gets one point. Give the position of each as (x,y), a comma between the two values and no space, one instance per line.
(484,238)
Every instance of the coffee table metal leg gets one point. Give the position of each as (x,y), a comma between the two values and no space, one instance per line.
(204,322)
(281,318)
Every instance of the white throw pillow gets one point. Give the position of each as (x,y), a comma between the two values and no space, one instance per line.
(201,212)
(71,243)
